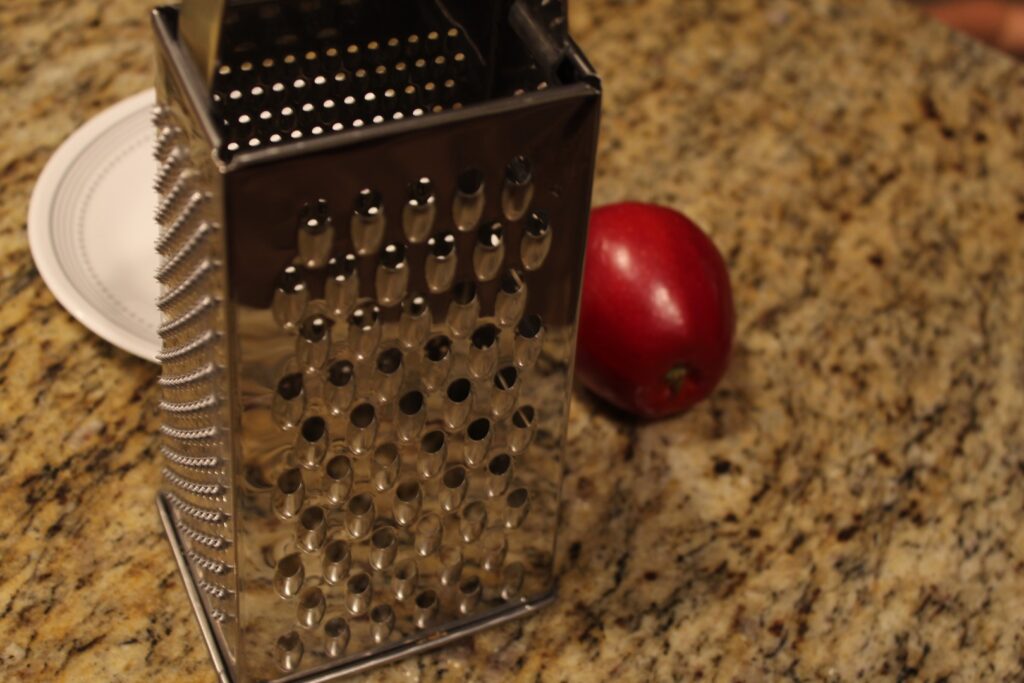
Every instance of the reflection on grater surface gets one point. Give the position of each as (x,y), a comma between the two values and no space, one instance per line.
(367,342)
(393,503)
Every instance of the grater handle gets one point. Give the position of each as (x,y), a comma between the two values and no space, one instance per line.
(554,14)
(542,24)
(199,28)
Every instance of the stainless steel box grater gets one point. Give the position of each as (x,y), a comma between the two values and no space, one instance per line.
(373,225)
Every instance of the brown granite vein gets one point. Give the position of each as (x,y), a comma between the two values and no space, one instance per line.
(849,505)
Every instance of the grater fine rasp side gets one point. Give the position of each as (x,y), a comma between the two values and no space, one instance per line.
(373,224)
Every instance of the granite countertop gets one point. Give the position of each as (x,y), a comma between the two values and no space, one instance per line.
(848,506)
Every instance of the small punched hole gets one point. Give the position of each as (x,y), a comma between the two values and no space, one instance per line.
(537,223)
(382,614)
(389,361)
(341,373)
(438,348)
(365,318)
(517,498)
(530,326)
(506,378)
(406,571)
(361,504)
(394,255)
(290,481)
(442,246)
(336,627)
(339,468)
(470,181)
(313,429)
(432,442)
(290,280)
(383,538)
(490,236)
(341,268)
(289,566)
(368,204)
(416,306)
(422,192)
(408,491)
(485,337)
(311,598)
(358,584)
(454,478)
(290,386)
(458,391)
(523,417)
(362,416)
(512,282)
(519,171)
(499,464)
(411,403)
(464,293)
(312,518)
(479,429)
(315,328)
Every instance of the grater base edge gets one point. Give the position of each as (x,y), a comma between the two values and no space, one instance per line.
(345,669)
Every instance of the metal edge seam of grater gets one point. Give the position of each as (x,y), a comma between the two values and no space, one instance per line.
(372,232)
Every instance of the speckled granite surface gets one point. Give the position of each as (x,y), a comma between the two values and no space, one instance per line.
(849,506)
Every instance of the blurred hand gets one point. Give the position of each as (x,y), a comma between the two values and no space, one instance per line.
(997,22)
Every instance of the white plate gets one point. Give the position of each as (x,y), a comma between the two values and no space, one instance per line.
(91,226)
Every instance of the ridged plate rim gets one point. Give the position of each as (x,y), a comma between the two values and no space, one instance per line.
(57,209)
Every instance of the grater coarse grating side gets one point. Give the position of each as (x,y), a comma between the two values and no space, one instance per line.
(373,219)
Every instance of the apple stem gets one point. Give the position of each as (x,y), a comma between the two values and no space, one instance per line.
(676,376)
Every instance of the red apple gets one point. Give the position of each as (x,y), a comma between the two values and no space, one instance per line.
(657,318)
